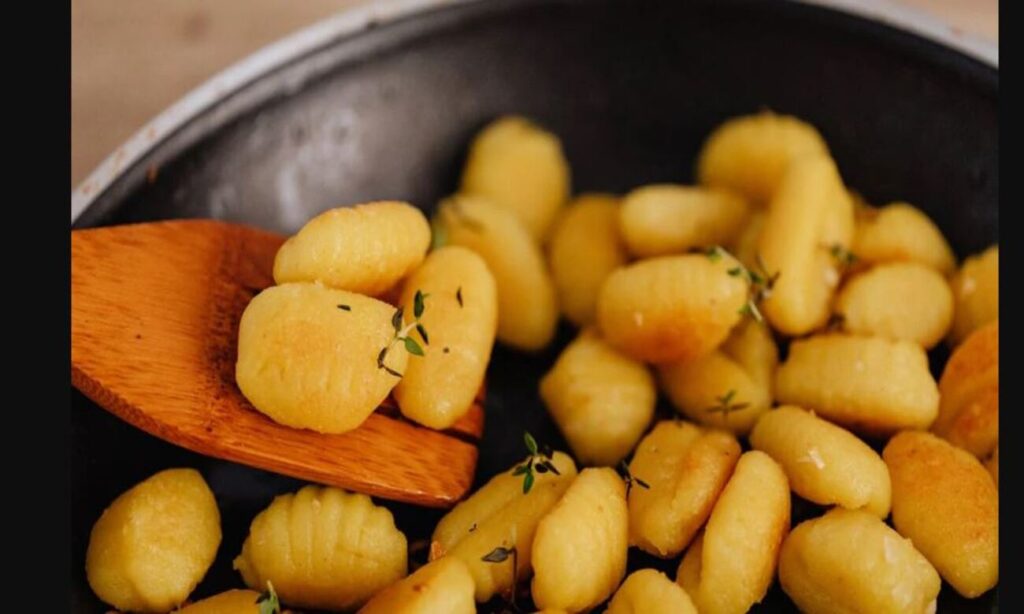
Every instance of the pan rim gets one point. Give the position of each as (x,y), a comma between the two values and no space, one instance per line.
(380,12)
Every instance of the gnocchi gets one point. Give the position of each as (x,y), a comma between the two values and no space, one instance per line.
(810,217)
(969,393)
(730,566)
(367,248)
(664,219)
(307,356)
(686,468)
(519,166)
(975,294)
(648,591)
(671,308)
(579,550)
(444,585)
(922,314)
(585,247)
(601,400)
(235,601)
(992,464)
(946,502)
(153,544)
(850,561)
(824,463)
(460,315)
(899,232)
(500,514)
(869,385)
(751,153)
(738,375)
(745,244)
(527,304)
(323,548)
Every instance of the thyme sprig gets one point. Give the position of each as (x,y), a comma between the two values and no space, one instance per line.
(500,555)
(725,406)
(539,461)
(403,334)
(268,601)
(842,255)
(759,281)
(631,479)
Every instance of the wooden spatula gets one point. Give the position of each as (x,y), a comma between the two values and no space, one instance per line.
(154,324)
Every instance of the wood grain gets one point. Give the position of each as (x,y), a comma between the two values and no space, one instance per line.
(154,324)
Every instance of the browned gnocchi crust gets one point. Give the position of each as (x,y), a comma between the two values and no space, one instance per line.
(969,393)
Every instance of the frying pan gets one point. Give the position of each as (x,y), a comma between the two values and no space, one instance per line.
(381,102)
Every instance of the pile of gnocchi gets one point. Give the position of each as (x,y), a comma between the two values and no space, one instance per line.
(786,320)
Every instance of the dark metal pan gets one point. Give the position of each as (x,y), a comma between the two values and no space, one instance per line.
(381,103)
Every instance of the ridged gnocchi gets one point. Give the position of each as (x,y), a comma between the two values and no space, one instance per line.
(750,153)
(899,232)
(527,304)
(519,166)
(664,219)
(975,294)
(444,585)
(497,515)
(851,561)
(672,307)
(579,550)
(601,400)
(824,463)
(307,356)
(153,544)
(946,502)
(584,248)
(969,393)
(323,548)
(648,591)
(742,369)
(870,385)
(922,313)
(810,216)
(235,601)
(367,248)
(686,468)
(730,566)
(460,315)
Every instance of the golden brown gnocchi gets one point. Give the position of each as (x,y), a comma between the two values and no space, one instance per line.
(730,566)
(850,561)
(307,356)
(443,585)
(672,307)
(500,515)
(946,502)
(648,591)
(975,294)
(323,548)
(899,232)
(527,305)
(922,313)
(601,400)
(750,154)
(969,393)
(521,167)
(869,385)
(825,463)
(153,544)
(810,218)
(585,247)
(579,550)
(460,315)
(992,464)
(367,248)
(737,376)
(686,468)
(663,219)
(235,601)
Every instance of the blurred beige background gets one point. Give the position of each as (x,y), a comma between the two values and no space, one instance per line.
(132,58)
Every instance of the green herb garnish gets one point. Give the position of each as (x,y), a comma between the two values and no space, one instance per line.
(843,256)
(725,405)
(402,334)
(760,283)
(539,461)
(500,555)
(630,479)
